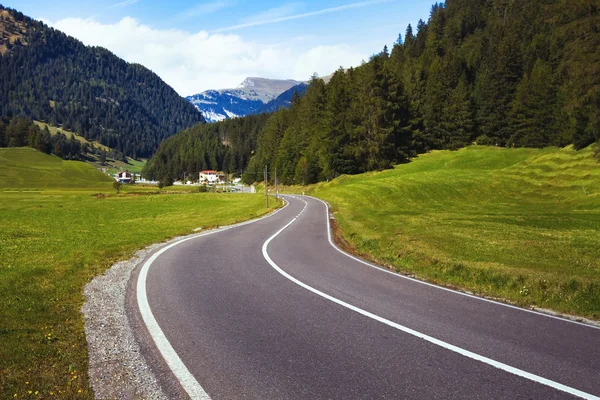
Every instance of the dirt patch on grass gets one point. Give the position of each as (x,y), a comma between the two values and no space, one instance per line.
(11,32)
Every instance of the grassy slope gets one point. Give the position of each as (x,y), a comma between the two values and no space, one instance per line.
(24,167)
(521,224)
(112,166)
(54,130)
(52,242)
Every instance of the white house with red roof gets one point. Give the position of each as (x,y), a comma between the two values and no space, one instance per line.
(210,177)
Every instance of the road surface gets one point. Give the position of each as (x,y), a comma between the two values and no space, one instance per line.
(272,310)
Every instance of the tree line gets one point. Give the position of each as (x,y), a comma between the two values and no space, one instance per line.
(495,72)
(21,132)
(51,77)
(226,146)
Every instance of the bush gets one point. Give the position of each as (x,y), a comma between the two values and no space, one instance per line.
(485,140)
(203,189)
(166,181)
(117,185)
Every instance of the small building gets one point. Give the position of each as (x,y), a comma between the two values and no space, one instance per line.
(208,177)
(124,177)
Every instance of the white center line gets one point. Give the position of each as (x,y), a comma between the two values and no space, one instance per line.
(445,345)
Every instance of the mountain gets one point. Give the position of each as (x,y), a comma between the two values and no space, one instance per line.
(284,100)
(218,105)
(248,98)
(48,76)
(486,72)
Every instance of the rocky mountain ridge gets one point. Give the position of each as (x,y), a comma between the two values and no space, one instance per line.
(250,97)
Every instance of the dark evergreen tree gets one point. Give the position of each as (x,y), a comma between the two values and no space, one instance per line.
(533,109)
(2,134)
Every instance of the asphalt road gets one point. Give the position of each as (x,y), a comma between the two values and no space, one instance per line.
(234,315)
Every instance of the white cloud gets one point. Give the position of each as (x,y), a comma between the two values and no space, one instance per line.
(193,62)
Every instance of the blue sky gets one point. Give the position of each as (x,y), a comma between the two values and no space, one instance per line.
(199,45)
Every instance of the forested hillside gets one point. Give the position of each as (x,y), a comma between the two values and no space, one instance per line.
(21,132)
(501,72)
(49,76)
(226,145)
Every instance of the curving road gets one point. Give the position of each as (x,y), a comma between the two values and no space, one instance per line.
(272,310)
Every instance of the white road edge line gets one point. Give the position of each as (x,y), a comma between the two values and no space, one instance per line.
(191,386)
(387,271)
(448,346)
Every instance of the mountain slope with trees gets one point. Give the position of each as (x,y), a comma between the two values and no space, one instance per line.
(226,145)
(496,72)
(49,76)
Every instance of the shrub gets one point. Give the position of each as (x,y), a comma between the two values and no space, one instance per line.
(117,185)
(485,140)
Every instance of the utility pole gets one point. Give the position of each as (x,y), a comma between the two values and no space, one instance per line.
(266,187)
(276,198)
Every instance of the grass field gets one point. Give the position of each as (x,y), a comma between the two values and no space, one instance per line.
(24,167)
(518,224)
(53,241)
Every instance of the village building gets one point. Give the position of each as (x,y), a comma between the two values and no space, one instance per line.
(210,177)
(124,177)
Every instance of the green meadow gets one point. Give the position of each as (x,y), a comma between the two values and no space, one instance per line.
(61,224)
(515,224)
(26,168)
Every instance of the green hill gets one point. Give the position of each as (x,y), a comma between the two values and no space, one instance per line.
(23,167)
(49,76)
(522,224)
(112,165)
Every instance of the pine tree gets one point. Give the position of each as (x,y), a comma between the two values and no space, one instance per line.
(577,36)
(2,134)
(458,118)
(533,109)
(436,99)
(338,158)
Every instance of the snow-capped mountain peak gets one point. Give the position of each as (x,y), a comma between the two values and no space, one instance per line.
(248,98)
(248,83)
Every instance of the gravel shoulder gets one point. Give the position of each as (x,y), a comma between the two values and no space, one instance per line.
(117,368)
